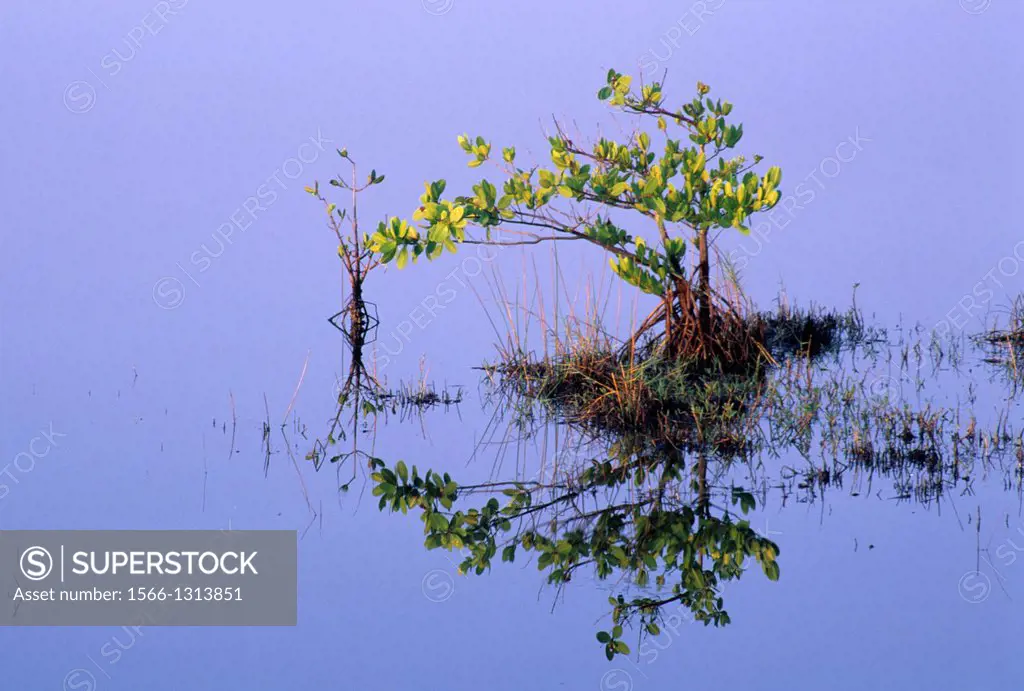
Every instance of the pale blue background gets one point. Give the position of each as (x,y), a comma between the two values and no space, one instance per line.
(100,205)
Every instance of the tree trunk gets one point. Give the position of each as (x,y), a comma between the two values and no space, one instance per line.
(704,289)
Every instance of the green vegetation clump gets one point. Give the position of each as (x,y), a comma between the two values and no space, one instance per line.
(611,390)
(676,176)
(657,396)
(815,331)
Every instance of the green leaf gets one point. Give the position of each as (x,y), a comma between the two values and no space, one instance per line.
(438,522)
(603,637)
(604,93)
(403,472)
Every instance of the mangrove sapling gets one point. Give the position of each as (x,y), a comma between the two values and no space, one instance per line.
(681,192)
(360,391)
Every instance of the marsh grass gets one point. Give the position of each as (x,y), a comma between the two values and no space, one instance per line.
(692,398)
(410,400)
(657,396)
(815,331)
(1004,345)
(801,423)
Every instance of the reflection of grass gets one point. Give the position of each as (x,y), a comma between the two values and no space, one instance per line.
(1005,346)
(1014,331)
(408,399)
(846,422)
(595,383)
(814,331)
